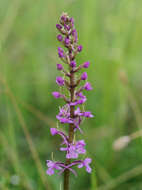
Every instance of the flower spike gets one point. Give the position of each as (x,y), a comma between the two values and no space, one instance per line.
(71,113)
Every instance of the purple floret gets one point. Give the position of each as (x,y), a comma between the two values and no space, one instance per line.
(88,86)
(56,94)
(58,26)
(84,76)
(67,27)
(52,166)
(79,48)
(67,41)
(60,52)
(72,21)
(85,163)
(60,37)
(87,114)
(73,150)
(60,81)
(73,64)
(86,64)
(74,34)
(59,67)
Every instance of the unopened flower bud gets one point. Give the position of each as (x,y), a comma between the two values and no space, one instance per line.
(56,94)
(60,81)
(60,52)
(88,86)
(67,41)
(74,34)
(72,21)
(64,17)
(73,64)
(86,64)
(84,76)
(67,27)
(79,48)
(58,26)
(59,67)
(59,37)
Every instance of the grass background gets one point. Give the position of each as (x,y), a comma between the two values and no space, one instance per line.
(110,32)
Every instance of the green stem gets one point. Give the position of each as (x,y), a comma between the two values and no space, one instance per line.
(71,130)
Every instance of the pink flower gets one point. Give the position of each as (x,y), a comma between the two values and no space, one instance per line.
(70,114)
(51,166)
(85,164)
(87,114)
(73,150)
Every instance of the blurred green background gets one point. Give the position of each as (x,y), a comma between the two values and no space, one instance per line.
(111,34)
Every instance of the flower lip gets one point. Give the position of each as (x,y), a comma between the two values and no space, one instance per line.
(87,114)
(73,150)
(80,101)
(86,163)
(51,166)
(53,131)
(80,94)
(64,120)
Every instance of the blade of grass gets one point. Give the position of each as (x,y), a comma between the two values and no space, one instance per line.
(122,178)
(132,100)
(102,172)
(38,114)
(9,20)
(3,185)
(93,180)
(27,135)
(12,154)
